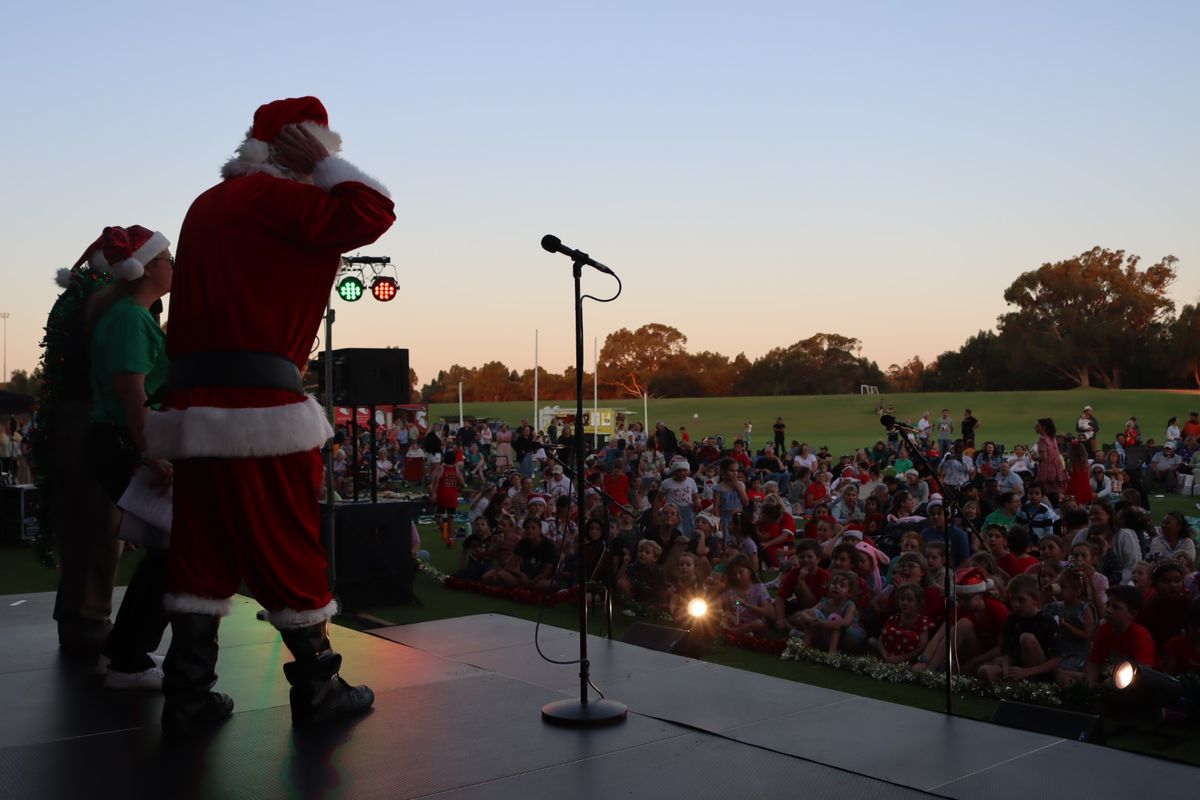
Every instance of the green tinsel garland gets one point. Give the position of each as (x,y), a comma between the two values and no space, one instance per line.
(59,371)
(1047,694)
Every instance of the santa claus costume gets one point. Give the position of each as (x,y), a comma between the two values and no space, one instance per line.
(257,257)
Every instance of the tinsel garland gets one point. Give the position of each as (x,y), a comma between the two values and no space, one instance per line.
(64,327)
(1076,695)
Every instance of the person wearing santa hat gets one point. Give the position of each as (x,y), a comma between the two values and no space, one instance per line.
(979,620)
(127,362)
(258,255)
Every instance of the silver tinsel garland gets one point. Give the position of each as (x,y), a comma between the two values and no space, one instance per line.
(1021,691)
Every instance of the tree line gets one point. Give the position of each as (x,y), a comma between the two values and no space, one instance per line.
(1095,319)
(1098,318)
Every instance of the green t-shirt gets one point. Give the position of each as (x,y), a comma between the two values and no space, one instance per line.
(126,339)
(998,517)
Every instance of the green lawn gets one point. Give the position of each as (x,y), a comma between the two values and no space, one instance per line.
(845,422)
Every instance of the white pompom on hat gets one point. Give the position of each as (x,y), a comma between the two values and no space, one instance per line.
(124,252)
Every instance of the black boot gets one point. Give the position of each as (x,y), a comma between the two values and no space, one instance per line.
(318,693)
(189,674)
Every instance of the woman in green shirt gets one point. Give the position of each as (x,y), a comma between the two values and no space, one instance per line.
(129,364)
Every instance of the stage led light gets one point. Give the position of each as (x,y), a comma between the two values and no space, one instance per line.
(384,288)
(350,288)
(697,607)
(1156,689)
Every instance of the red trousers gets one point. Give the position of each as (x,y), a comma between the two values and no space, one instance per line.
(251,519)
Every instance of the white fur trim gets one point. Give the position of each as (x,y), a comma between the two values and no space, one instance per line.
(130,269)
(63,277)
(290,619)
(210,432)
(254,151)
(153,246)
(194,604)
(333,170)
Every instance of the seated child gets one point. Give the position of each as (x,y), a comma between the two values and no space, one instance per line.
(476,557)
(1017,560)
(1084,554)
(686,586)
(980,619)
(801,587)
(1140,576)
(834,620)
(1165,615)
(1182,653)
(906,633)
(1050,551)
(748,604)
(1029,644)
(1076,617)
(1120,638)
(935,557)
(642,581)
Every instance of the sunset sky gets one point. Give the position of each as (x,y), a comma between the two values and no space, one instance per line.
(756,172)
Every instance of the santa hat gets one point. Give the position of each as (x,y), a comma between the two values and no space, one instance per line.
(124,252)
(971,580)
(680,463)
(254,153)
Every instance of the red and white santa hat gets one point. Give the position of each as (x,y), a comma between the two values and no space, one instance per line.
(270,119)
(971,580)
(124,252)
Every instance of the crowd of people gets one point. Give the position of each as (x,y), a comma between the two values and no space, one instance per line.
(1049,549)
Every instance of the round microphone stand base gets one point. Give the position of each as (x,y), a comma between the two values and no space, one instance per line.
(571,713)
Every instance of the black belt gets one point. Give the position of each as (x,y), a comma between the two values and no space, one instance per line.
(237,368)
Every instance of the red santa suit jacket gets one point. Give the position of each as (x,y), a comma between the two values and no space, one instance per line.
(258,255)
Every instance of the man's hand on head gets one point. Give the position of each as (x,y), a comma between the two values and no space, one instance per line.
(298,150)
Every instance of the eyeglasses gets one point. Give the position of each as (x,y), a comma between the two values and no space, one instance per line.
(169,259)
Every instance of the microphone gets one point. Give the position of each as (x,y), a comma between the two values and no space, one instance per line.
(552,244)
(889,422)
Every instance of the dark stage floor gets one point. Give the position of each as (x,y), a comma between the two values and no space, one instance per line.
(458,715)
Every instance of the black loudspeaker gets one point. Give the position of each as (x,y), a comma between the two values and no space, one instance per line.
(657,637)
(372,552)
(1048,721)
(367,376)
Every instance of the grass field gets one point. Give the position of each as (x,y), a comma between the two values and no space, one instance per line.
(845,422)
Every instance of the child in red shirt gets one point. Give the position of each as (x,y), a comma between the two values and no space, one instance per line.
(801,587)
(1017,560)
(977,629)
(1119,638)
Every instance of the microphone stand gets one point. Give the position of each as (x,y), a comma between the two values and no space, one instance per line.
(582,712)
(952,499)
(612,501)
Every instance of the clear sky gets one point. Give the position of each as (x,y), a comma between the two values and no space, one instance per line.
(756,172)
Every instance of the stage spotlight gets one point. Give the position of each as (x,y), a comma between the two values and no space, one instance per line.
(350,288)
(1159,688)
(697,607)
(384,288)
